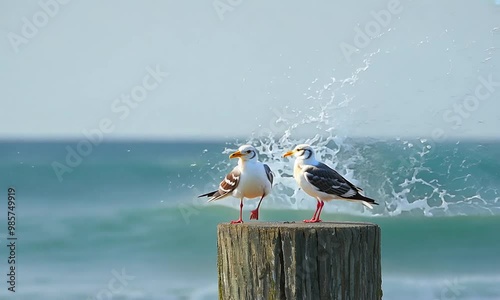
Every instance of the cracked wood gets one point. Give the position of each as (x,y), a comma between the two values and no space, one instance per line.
(299,261)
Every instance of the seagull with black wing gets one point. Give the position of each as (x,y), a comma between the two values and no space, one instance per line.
(322,182)
(249,179)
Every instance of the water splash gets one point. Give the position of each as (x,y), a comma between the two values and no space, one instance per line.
(331,147)
(414,177)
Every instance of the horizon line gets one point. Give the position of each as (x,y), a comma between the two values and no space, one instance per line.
(135,139)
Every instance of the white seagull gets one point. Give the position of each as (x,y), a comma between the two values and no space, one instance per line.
(322,182)
(249,179)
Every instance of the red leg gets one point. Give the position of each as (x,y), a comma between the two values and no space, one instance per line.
(313,219)
(254,214)
(240,220)
(320,210)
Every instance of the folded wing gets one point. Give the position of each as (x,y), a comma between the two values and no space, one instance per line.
(328,181)
(269,173)
(226,187)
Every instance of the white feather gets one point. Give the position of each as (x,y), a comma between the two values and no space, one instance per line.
(367,204)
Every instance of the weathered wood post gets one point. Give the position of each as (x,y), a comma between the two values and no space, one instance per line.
(299,261)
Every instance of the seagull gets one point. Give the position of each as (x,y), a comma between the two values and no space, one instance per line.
(322,182)
(249,179)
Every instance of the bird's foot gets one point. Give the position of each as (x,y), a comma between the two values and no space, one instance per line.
(239,221)
(254,214)
(312,221)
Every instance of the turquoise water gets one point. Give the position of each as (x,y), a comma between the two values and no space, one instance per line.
(131,207)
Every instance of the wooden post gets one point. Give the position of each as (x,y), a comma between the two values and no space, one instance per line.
(299,261)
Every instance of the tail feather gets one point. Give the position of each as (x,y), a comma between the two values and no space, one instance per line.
(210,194)
(215,195)
(365,200)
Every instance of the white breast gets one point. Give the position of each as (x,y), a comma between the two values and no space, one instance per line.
(253,182)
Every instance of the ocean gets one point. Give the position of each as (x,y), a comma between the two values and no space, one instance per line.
(124,222)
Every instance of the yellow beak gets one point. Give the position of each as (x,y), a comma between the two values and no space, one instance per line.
(289,153)
(236,154)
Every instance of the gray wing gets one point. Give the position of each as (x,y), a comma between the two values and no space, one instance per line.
(327,180)
(269,173)
(226,187)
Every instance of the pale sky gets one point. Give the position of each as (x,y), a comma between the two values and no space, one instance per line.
(231,70)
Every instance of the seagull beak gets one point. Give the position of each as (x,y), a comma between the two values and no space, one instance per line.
(289,153)
(236,154)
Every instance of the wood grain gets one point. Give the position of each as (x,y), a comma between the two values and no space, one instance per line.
(329,260)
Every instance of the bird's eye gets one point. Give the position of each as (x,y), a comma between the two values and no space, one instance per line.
(248,151)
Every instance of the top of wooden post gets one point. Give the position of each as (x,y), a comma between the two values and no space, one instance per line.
(301,225)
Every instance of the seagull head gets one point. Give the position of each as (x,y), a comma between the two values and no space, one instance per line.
(245,153)
(302,151)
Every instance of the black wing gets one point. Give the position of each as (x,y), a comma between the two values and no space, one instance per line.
(328,181)
(226,187)
(269,173)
